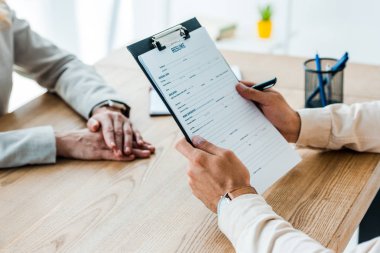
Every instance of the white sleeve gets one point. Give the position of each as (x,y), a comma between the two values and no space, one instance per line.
(372,246)
(253,227)
(336,126)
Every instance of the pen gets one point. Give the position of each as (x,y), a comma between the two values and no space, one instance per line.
(265,85)
(338,66)
(328,82)
(341,63)
(320,80)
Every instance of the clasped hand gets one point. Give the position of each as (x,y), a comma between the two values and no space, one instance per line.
(110,136)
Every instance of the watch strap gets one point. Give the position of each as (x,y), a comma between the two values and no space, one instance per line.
(123,107)
(240,191)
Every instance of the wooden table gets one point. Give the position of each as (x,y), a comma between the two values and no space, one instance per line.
(146,205)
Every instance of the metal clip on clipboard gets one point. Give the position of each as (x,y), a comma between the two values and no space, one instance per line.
(170,36)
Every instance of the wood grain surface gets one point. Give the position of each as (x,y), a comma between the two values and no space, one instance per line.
(146,205)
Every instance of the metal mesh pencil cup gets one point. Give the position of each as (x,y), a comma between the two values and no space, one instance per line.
(332,83)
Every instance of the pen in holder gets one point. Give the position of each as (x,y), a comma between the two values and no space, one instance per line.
(324,81)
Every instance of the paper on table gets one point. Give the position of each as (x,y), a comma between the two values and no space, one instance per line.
(199,86)
(237,72)
(158,108)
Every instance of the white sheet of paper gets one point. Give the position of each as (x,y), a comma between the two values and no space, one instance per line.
(237,72)
(158,108)
(199,86)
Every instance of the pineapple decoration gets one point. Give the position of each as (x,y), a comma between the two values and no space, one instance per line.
(265,24)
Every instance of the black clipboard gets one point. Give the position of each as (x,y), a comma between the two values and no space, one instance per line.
(183,30)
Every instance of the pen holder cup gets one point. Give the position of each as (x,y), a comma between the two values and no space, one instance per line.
(332,83)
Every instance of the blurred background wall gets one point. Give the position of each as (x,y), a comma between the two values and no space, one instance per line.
(91,28)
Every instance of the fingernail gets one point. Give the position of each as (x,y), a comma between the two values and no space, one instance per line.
(113,145)
(197,140)
(127,150)
(92,124)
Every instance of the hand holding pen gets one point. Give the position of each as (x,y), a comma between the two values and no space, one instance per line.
(274,107)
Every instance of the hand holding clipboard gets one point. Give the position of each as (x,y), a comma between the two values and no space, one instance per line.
(198,87)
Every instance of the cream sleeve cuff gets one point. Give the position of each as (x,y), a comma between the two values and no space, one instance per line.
(234,217)
(315,127)
(252,226)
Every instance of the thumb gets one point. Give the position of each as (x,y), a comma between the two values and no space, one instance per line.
(252,94)
(93,125)
(206,146)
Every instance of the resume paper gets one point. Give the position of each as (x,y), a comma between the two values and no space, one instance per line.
(199,86)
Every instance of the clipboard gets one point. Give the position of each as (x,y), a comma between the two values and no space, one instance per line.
(160,41)
(197,86)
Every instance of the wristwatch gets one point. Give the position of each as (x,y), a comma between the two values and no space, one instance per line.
(113,104)
(231,195)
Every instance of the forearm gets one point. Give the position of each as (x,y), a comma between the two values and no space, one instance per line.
(29,146)
(57,70)
(337,126)
(83,88)
(251,225)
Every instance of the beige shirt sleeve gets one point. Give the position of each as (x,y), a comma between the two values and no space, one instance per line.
(29,146)
(250,223)
(336,126)
(60,72)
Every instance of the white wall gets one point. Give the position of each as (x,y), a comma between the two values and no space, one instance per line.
(327,26)
(79,26)
(83,27)
(334,26)
(149,17)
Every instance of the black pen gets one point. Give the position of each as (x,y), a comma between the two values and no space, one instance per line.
(265,85)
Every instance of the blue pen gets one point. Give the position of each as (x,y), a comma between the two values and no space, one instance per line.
(341,63)
(320,80)
(328,82)
(338,66)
